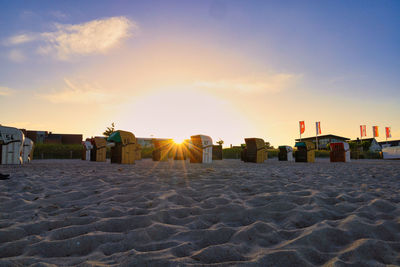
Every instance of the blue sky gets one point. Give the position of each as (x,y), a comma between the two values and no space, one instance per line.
(256,59)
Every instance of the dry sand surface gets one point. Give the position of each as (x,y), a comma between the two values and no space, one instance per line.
(71,212)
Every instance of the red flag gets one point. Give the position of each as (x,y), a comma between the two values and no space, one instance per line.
(363,130)
(375,131)
(388,133)
(318,127)
(302,127)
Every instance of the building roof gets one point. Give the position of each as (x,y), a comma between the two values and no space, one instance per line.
(323,136)
(389,142)
(364,139)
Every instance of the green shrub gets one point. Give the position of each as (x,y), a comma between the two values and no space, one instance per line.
(57,151)
(231,153)
(322,153)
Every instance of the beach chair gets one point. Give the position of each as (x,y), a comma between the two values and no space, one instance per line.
(99,150)
(217,152)
(138,152)
(340,152)
(392,152)
(305,152)
(27,151)
(162,149)
(285,153)
(11,148)
(123,151)
(86,151)
(179,151)
(255,150)
(201,149)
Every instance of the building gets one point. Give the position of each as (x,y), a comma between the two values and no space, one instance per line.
(44,137)
(371,143)
(324,140)
(389,143)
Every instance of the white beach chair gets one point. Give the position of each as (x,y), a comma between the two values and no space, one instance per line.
(27,150)
(12,141)
(201,149)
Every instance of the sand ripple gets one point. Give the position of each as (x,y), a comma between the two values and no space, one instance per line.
(70,212)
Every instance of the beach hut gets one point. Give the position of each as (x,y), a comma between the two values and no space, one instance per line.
(285,153)
(217,152)
(392,152)
(27,150)
(138,152)
(201,149)
(340,152)
(162,149)
(305,152)
(12,141)
(123,151)
(99,150)
(87,147)
(255,150)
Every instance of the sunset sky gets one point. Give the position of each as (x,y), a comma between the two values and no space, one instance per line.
(228,69)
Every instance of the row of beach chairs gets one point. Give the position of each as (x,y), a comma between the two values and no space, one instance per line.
(125,149)
(256,151)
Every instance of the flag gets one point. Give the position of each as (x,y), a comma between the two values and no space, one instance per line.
(375,131)
(302,127)
(388,133)
(363,130)
(318,127)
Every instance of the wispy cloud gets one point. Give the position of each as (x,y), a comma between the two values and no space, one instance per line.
(67,40)
(78,93)
(16,55)
(256,84)
(20,39)
(58,15)
(5,91)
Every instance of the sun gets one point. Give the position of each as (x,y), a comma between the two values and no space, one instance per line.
(179,141)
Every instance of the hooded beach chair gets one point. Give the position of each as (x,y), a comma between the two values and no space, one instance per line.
(255,150)
(99,150)
(123,151)
(27,151)
(12,141)
(285,153)
(340,152)
(305,152)
(86,151)
(217,152)
(138,152)
(201,149)
(162,149)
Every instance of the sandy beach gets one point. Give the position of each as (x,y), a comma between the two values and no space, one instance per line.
(72,212)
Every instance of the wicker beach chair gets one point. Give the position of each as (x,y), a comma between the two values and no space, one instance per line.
(285,153)
(255,150)
(98,152)
(12,145)
(217,152)
(123,151)
(340,152)
(305,152)
(162,149)
(201,149)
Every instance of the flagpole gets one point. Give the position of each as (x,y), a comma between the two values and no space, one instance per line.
(300,130)
(316,136)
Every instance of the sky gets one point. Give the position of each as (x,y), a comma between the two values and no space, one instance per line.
(227,69)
